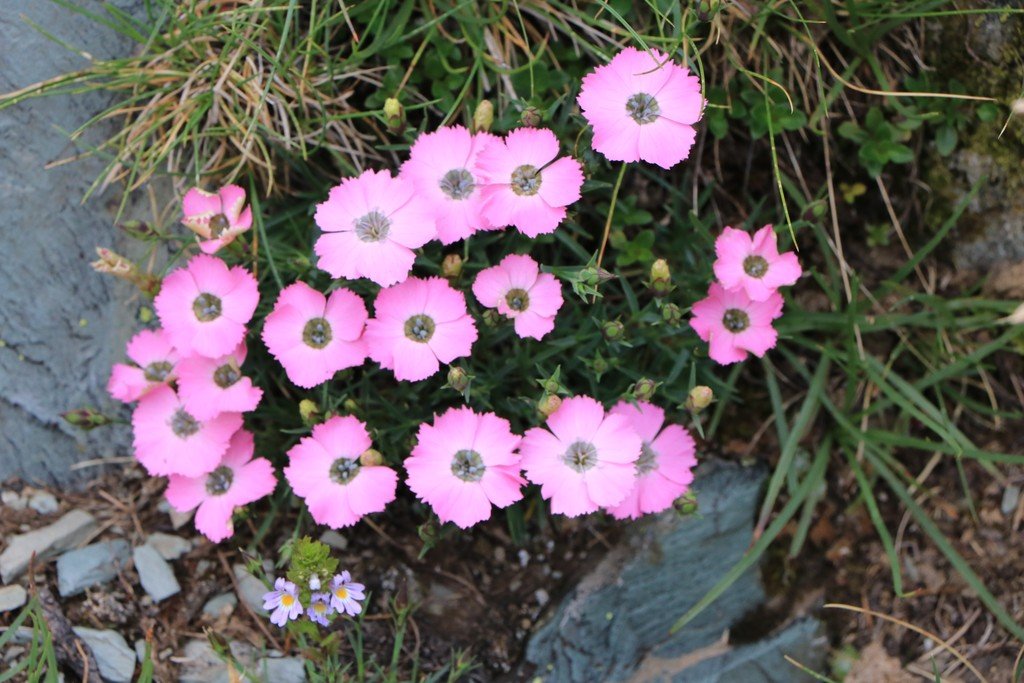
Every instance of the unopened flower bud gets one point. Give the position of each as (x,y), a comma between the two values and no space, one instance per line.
(599,365)
(699,398)
(644,389)
(660,270)
(551,385)
(350,405)
(530,117)
(146,315)
(686,504)
(394,115)
(492,317)
(138,230)
(112,263)
(371,457)
(458,379)
(86,418)
(671,314)
(613,330)
(314,583)
(308,410)
(548,405)
(451,266)
(483,117)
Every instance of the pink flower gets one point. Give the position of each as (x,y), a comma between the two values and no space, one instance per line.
(170,440)
(283,602)
(464,463)
(442,166)
(754,264)
(346,594)
(209,386)
(205,306)
(518,289)
(370,226)
(216,217)
(642,106)
(324,469)
(155,363)
(524,185)
(734,325)
(237,481)
(586,461)
(314,336)
(665,467)
(418,325)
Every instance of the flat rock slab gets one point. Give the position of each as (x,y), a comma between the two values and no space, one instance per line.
(113,656)
(617,619)
(169,546)
(64,534)
(155,575)
(200,664)
(90,566)
(12,598)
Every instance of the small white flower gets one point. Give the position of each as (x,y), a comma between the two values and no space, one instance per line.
(314,583)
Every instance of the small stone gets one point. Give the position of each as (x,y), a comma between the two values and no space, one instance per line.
(179,519)
(169,546)
(43,502)
(53,539)
(221,605)
(250,589)
(542,597)
(90,566)
(155,574)
(334,539)
(281,670)
(1011,496)
(12,500)
(140,650)
(12,597)
(113,656)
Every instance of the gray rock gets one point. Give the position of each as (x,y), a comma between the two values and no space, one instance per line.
(12,598)
(155,575)
(278,670)
(334,539)
(67,532)
(115,659)
(1011,496)
(43,502)
(12,500)
(219,605)
(250,589)
(62,324)
(169,546)
(90,566)
(617,619)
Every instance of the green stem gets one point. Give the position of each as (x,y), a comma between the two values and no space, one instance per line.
(611,214)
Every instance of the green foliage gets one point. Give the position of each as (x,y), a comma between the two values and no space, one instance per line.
(879,141)
(39,663)
(310,558)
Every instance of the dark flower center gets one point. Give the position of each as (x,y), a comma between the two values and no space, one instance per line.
(219,481)
(183,425)
(207,307)
(735,320)
(526,180)
(647,461)
(643,108)
(344,470)
(373,227)
(317,333)
(457,183)
(468,466)
(580,456)
(517,299)
(419,328)
(218,224)
(226,375)
(157,371)
(755,266)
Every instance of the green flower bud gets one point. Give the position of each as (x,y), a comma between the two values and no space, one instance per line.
(530,117)
(371,457)
(548,404)
(451,266)
(660,270)
(86,418)
(671,314)
(644,389)
(613,330)
(458,379)
(686,504)
(308,411)
(394,115)
(699,398)
(483,117)
(492,317)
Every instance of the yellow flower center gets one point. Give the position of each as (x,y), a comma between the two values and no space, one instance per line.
(341,593)
(320,607)
(287,600)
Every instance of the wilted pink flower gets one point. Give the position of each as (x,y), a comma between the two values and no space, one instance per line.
(283,602)
(314,336)
(664,469)
(370,225)
(237,481)
(346,594)
(524,185)
(418,325)
(732,324)
(205,306)
(464,463)
(442,165)
(518,289)
(170,440)
(754,264)
(209,386)
(324,469)
(155,365)
(216,217)
(642,106)
(320,608)
(586,461)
